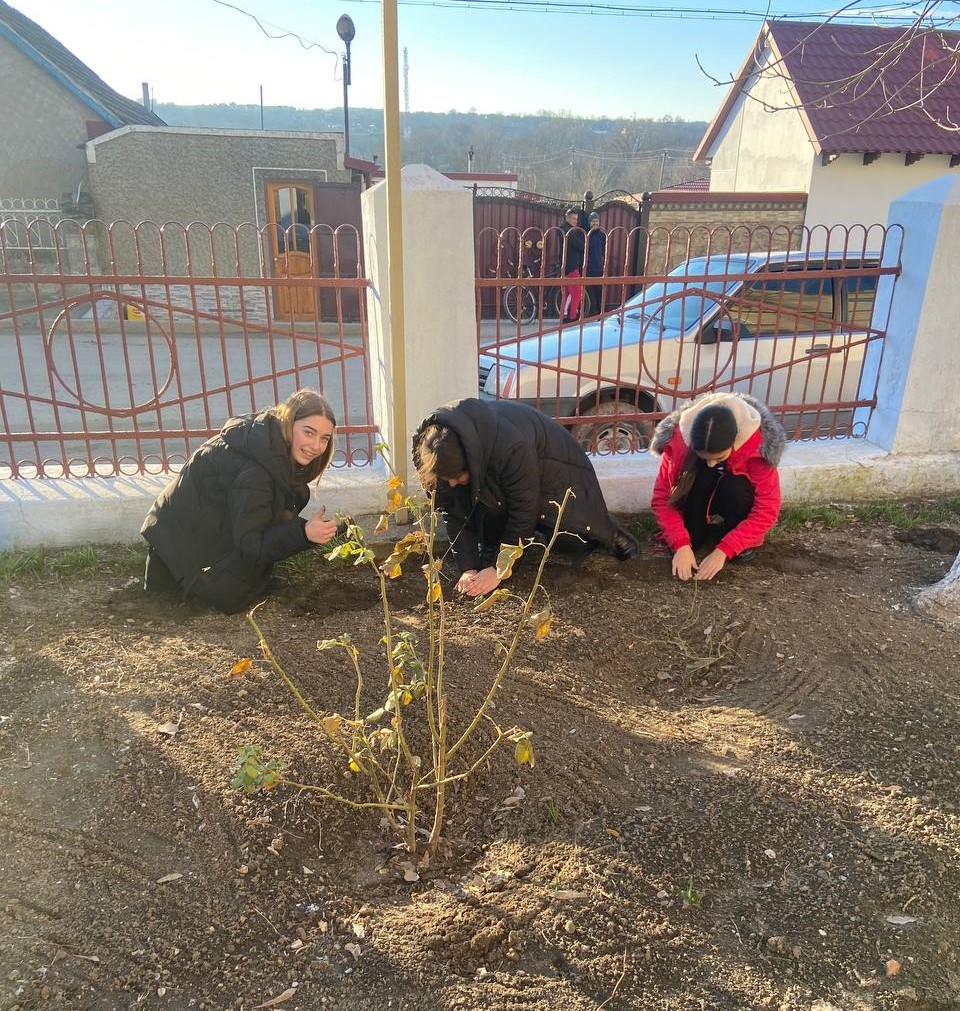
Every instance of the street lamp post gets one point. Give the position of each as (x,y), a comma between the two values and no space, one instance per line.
(346,31)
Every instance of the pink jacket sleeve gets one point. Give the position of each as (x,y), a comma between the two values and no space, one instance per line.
(763,515)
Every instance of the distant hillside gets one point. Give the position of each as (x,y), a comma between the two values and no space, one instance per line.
(551,153)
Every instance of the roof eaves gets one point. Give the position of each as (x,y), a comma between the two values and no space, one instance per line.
(31,53)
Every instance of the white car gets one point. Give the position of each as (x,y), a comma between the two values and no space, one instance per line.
(795,338)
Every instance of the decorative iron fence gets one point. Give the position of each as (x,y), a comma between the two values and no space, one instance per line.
(787,314)
(128,370)
(28,224)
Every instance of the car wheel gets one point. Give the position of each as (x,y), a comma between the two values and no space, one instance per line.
(606,438)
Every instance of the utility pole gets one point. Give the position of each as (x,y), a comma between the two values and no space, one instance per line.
(663,162)
(391,145)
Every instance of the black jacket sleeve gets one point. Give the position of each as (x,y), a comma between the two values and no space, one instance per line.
(258,538)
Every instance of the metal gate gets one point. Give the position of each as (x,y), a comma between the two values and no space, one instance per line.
(132,345)
(796,317)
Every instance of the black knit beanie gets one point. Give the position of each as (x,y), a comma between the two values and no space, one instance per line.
(714,430)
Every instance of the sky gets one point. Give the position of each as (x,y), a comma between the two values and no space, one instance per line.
(627,58)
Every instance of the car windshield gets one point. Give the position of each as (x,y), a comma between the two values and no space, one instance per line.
(676,310)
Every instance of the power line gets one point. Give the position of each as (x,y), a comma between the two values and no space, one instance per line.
(285,33)
(889,13)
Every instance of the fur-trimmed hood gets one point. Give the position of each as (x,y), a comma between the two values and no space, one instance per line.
(751,415)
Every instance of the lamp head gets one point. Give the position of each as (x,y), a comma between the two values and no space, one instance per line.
(345,28)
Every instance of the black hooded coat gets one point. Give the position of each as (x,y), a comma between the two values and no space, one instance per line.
(230,513)
(521,463)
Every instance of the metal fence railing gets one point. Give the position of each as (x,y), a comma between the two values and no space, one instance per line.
(29,224)
(141,341)
(790,315)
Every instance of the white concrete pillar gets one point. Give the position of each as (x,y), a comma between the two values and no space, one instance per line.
(440,357)
(918,393)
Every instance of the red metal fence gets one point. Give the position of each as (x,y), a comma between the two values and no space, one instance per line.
(796,317)
(123,347)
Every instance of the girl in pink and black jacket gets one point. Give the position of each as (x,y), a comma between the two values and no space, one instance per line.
(718,484)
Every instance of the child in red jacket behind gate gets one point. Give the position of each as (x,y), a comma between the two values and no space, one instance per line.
(718,484)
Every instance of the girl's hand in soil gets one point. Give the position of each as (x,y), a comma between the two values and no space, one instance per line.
(684,562)
(711,565)
(319,529)
(485,581)
(465,580)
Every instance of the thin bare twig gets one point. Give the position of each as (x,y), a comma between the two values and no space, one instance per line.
(616,986)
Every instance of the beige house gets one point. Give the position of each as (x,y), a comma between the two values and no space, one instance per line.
(51,104)
(854,116)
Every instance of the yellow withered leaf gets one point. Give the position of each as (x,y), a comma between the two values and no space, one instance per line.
(523,752)
(490,600)
(241,667)
(540,623)
(509,554)
(332,723)
(382,524)
(392,571)
(394,483)
(394,501)
(435,592)
(354,765)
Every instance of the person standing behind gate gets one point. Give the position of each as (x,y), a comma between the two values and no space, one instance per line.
(596,262)
(571,265)
(718,484)
(497,470)
(232,511)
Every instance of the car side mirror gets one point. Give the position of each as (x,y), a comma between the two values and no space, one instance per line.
(721,329)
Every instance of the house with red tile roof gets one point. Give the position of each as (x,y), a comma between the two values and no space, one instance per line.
(852,115)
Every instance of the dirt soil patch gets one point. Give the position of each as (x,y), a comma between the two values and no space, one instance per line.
(745,797)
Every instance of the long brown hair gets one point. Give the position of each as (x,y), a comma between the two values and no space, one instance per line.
(300,405)
(438,455)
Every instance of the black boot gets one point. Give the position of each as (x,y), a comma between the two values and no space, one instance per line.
(624,545)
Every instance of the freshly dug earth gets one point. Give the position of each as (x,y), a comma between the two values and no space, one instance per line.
(745,796)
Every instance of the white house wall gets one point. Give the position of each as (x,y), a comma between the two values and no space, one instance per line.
(758,150)
(847,192)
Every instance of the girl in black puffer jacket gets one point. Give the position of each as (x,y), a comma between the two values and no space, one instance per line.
(496,469)
(232,511)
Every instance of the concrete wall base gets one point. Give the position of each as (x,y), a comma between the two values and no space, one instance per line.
(110,510)
(810,472)
(73,512)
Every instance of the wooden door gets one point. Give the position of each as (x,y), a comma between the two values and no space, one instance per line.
(291,209)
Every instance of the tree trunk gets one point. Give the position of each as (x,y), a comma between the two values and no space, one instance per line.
(943,598)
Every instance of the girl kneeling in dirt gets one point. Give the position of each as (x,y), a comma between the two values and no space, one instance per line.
(217,528)
(718,484)
(497,468)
